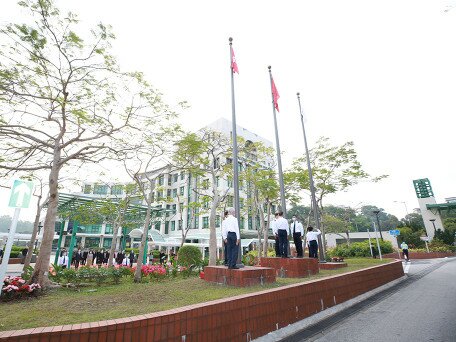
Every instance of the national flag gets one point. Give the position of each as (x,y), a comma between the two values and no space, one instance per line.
(234,66)
(275,95)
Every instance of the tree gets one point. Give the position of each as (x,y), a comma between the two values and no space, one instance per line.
(334,169)
(414,221)
(63,101)
(206,154)
(263,188)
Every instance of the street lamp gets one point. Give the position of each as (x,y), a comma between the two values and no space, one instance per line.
(433,220)
(376,212)
(406,211)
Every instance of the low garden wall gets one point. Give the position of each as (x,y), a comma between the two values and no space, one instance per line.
(238,318)
(420,255)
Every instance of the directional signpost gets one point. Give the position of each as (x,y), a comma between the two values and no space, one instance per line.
(21,193)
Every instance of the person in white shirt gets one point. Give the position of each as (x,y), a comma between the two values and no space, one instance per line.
(276,237)
(63,260)
(281,226)
(231,236)
(297,231)
(312,241)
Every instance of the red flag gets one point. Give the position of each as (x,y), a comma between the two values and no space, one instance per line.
(234,66)
(275,95)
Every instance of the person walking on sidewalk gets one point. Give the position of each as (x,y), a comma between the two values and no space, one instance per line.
(404,248)
(297,232)
(231,236)
(312,242)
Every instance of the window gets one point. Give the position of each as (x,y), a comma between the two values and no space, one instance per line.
(175,177)
(173,226)
(182,176)
(166,227)
(108,229)
(157,225)
(216,163)
(229,180)
(206,204)
(153,196)
(168,210)
(87,189)
(250,222)
(230,200)
(174,193)
(174,209)
(205,222)
(217,221)
(181,191)
(159,195)
(99,189)
(169,179)
(205,184)
(168,193)
(90,229)
(107,242)
(242,223)
(180,225)
(161,180)
(116,190)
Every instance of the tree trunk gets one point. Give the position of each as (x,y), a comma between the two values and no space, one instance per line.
(266,231)
(212,233)
(322,228)
(143,241)
(40,274)
(115,232)
(31,243)
(348,237)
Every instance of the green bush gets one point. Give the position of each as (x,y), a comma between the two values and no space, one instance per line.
(156,254)
(189,256)
(360,249)
(135,250)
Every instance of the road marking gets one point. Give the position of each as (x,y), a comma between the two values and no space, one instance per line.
(407,268)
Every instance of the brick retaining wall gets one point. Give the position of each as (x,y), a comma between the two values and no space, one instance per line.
(419,255)
(229,319)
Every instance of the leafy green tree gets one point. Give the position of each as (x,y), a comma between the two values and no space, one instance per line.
(334,168)
(207,154)
(414,221)
(63,100)
(411,237)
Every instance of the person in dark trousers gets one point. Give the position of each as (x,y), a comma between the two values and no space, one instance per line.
(231,236)
(100,258)
(119,258)
(404,248)
(84,257)
(225,246)
(131,257)
(312,241)
(297,232)
(105,257)
(281,227)
(77,259)
(276,237)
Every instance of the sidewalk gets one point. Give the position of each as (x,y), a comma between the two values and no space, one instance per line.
(16,269)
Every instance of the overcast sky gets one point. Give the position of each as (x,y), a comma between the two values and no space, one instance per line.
(380,73)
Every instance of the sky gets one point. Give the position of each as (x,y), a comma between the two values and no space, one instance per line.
(379,73)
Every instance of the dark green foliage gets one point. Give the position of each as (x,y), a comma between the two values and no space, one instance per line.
(446,236)
(189,256)
(411,238)
(360,249)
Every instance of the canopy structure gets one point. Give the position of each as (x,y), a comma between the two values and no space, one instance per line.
(134,212)
(440,207)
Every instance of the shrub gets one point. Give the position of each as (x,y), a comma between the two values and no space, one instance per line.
(360,249)
(189,256)
(156,254)
(135,250)
(16,287)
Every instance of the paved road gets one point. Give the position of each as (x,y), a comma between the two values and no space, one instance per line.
(422,310)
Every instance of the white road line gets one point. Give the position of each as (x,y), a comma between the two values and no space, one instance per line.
(407,268)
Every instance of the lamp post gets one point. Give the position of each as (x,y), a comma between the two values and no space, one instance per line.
(376,212)
(406,211)
(433,220)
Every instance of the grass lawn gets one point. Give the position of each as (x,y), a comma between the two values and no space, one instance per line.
(88,304)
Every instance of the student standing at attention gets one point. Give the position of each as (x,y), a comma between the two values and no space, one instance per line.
(312,241)
(297,232)
(281,227)
(230,234)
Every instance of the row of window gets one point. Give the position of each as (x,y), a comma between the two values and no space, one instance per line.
(171,178)
(103,189)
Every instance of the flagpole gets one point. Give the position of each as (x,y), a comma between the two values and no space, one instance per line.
(237,208)
(312,188)
(279,158)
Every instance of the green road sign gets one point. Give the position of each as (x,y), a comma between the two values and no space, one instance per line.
(21,192)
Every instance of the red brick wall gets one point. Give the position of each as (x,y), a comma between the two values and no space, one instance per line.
(294,267)
(229,319)
(14,261)
(417,255)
